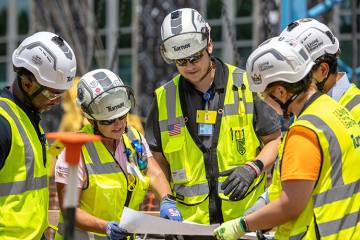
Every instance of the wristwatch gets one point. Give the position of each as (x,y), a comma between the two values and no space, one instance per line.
(259,164)
(169,196)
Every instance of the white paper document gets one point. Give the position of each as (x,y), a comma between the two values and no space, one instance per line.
(136,222)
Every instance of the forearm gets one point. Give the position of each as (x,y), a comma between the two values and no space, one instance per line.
(158,180)
(88,222)
(269,151)
(292,201)
(162,162)
(271,215)
(83,220)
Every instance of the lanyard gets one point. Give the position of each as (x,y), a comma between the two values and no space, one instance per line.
(207,96)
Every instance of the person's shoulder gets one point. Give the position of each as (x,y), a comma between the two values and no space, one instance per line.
(304,132)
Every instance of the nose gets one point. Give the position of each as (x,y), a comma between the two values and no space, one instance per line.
(120,122)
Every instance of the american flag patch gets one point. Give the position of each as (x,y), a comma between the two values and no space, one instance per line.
(174,129)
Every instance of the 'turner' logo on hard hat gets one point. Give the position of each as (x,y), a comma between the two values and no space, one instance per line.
(113,108)
(182,47)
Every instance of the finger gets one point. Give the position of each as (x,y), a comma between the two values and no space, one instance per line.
(239,191)
(231,186)
(119,231)
(227,181)
(227,172)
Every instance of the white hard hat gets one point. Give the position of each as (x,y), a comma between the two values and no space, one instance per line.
(103,96)
(49,58)
(314,35)
(184,32)
(277,60)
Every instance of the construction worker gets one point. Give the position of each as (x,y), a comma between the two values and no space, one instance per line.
(45,66)
(315,193)
(115,172)
(324,49)
(206,128)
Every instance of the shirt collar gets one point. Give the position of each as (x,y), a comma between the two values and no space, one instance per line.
(340,87)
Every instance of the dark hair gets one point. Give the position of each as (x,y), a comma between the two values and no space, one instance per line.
(329,59)
(296,87)
(22,71)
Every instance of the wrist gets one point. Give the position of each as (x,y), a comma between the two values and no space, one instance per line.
(256,165)
(243,225)
(168,197)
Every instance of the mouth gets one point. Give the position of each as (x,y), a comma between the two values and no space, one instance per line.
(117,130)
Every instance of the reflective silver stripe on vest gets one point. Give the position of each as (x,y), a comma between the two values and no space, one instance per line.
(192,191)
(339,191)
(31,182)
(332,227)
(297,236)
(334,148)
(353,102)
(164,125)
(131,135)
(97,167)
(233,109)
(171,102)
(336,194)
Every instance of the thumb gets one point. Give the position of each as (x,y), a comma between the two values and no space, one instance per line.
(227,172)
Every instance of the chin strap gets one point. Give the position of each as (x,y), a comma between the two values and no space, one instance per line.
(208,71)
(285,106)
(28,99)
(320,85)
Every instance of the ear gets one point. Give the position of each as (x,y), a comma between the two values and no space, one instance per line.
(210,47)
(26,84)
(324,69)
(281,91)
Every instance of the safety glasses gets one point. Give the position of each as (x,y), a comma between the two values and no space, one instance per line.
(192,59)
(109,122)
(51,95)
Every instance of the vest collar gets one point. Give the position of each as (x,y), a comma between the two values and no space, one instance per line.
(315,96)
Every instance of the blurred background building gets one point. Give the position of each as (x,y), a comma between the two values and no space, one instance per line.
(124,35)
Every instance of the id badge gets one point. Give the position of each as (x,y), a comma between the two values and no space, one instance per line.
(205,129)
(204,116)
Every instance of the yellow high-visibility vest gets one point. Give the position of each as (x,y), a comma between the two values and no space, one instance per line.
(351,101)
(109,190)
(24,195)
(333,209)
(236,144)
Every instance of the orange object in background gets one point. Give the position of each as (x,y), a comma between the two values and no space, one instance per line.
(73,143)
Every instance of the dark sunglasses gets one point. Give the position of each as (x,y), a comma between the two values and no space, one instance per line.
(192,59)
(109,122)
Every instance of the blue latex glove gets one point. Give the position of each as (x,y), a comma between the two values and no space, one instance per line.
(114,232)
(169,210)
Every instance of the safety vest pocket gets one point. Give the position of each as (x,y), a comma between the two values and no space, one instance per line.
(175,151)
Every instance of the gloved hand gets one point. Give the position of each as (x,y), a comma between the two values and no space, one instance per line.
(114,232)
(260,203)
(230,230)
(238,182)
(169,210)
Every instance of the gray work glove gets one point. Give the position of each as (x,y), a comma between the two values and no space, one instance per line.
(238,182)
(260,203)
(114,232)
